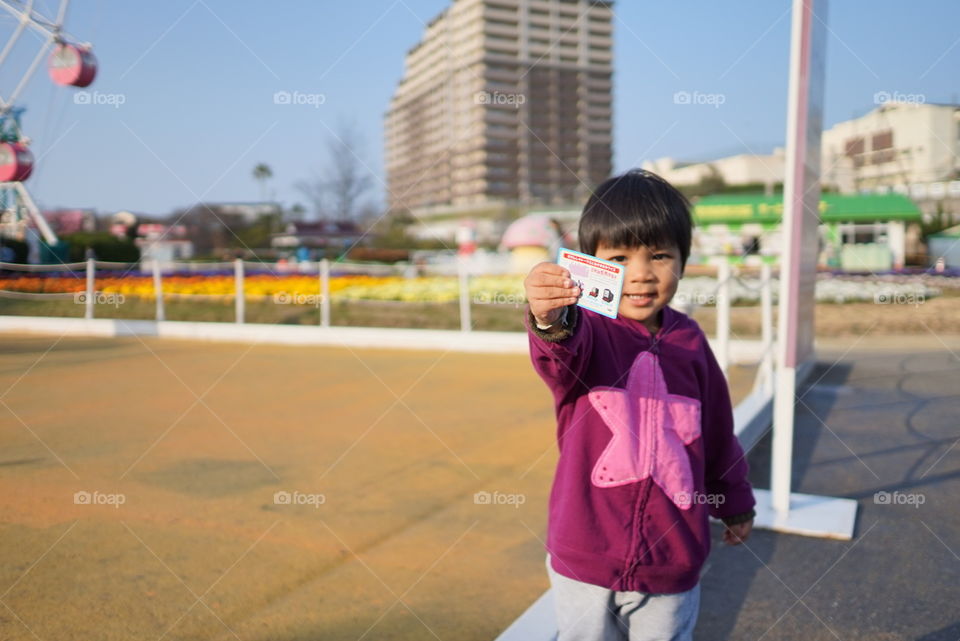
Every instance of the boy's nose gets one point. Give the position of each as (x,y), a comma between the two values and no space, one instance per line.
(640,271)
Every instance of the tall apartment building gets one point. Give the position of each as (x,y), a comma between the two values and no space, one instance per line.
(503,102)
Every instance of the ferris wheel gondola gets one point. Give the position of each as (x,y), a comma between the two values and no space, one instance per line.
(72,65)
(16,162)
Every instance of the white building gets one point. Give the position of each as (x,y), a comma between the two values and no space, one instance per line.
(894,146)
(742,169)
(162,243)
(912,148)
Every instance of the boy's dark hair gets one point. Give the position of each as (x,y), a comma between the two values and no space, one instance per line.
(638,208)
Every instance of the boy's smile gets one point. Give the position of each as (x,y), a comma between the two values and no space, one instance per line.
(650,282)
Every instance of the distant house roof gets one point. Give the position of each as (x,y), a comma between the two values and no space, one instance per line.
(741,209)
(324,228)
(317,234)
(248,211)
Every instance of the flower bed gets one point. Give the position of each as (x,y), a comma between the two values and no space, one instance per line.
(489,289)
(699,290)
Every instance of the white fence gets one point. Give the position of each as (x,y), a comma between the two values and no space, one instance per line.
(92,298)
(91,268)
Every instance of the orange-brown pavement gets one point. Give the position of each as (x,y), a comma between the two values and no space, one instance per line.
(383,450)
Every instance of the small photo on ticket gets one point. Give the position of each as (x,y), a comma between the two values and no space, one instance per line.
(600,281)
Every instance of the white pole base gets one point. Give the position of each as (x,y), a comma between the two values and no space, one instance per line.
(820,516)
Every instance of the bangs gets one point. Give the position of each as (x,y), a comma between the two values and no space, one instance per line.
(637,209)
(630,231)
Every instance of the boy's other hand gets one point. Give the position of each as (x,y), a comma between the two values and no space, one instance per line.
(737,534)
(549,289)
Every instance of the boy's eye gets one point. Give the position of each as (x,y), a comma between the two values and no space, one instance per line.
(661,256)
(617,259)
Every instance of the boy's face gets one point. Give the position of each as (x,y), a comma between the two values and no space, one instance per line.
(650,282)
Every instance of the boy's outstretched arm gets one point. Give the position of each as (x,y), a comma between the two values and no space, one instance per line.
(560,342)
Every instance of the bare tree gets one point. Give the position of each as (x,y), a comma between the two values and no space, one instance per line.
(339,191)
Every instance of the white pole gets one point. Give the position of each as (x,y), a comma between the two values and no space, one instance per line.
(325,293)
(766,325)
(897,240)
(91,289)
(781,467)
(723,314)
(465,324)
(238,288)
(158,289)
(38,218)
(801,197)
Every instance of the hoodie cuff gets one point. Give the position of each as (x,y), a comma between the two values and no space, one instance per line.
(736,519)
(568,328)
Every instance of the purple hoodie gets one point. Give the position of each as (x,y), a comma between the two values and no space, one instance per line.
(647,450)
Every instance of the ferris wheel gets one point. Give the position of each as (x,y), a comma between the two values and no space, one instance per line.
(70,63)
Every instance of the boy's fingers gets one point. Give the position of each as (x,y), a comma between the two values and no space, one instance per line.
(551,280)
(736,534)
(553,293)
(555,274)
(551,268)
(550,287)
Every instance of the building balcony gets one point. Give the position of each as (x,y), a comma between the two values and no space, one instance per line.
(502,75)
(501,116)
(497,29)
(504,14)
(600,41)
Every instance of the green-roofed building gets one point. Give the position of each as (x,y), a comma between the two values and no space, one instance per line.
(944,248)
(857,232)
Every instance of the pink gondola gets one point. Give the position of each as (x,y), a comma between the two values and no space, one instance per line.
(16,161)
(72,65)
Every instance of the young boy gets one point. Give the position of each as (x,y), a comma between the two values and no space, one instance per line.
(644,427)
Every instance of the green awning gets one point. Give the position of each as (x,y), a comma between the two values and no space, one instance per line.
(742,209)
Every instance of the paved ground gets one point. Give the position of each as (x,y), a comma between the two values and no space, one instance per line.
(197,438)
(882,418)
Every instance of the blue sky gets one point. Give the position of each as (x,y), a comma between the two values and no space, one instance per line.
(197,80)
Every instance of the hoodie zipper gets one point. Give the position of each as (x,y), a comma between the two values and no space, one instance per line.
(655,351)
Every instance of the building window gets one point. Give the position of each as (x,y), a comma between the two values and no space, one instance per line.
(853,146)
(882,140)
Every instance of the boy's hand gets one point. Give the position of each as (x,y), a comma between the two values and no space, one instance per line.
(549,289)
(737,534)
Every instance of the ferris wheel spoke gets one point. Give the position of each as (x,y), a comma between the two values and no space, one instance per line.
(30,72)
(62,13)
(13,40)
(69,65)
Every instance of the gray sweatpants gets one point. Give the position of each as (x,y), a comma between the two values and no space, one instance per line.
(588,612)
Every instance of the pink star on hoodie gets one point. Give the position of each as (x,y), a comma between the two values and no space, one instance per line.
(651,428)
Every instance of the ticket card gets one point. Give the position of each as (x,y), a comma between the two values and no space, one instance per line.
(600,281)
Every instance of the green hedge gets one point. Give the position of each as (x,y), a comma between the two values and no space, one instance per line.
(106,247)
(13,251)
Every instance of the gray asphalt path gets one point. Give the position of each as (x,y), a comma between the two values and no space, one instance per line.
(881,416)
